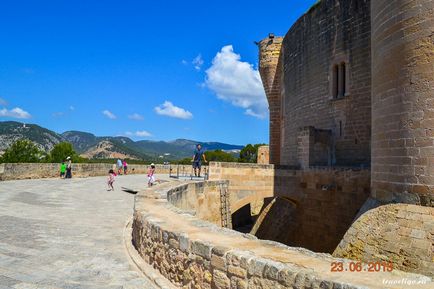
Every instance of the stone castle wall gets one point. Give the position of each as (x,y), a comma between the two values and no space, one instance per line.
(263,155)
(333,32)
(270,67)
(398,233)
(21,171)
(326,200)
(196,254)
(208,201)
(402,101)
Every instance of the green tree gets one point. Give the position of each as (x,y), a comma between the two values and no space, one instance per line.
(63,150)
(219,156)
(184,161)
(249,154)
(22,151)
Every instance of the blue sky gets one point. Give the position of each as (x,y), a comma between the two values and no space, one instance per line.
(156,70)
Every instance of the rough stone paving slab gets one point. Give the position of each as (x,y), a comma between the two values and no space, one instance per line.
(67,234)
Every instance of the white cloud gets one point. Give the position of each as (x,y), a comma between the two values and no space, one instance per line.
(143,133)
(198,62)
(237,82)
(3,102)
(185,62)
(72,108)
(109,114)
(168,109)
(139,133)
(136,116)
(15,113)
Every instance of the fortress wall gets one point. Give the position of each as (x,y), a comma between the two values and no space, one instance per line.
(207,200)
(251,182)
(270,68)
(407,238)
(196,254)
(402,101)
(326,200)
(333,32)
(21,171)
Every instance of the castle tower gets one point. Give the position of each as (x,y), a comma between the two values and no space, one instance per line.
(403,101)
(269,68)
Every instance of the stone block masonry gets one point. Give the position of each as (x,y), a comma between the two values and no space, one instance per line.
(299,81)
(208,200)
(402,101)
(399,233)
(196,254)
(21,171)
(326,200)
(270,67)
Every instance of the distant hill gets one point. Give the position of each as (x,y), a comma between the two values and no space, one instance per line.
(11,131)
(94,147)
(180,148)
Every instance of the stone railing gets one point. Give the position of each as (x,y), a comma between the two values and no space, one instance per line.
(208,201)
(193,253)
(21,171)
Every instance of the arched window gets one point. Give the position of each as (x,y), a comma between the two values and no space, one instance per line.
(339,80)
(335,81)
(344,78)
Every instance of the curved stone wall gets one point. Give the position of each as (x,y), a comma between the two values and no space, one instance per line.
(317,126)
(208,201)
(400,233)
(402,101)
(270,67)
(192,253)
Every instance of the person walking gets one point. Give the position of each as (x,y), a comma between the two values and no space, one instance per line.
(111,180)
(199,153)
(68,168)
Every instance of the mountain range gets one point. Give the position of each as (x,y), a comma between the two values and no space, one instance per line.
(94,147)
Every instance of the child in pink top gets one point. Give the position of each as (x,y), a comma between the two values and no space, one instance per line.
(151,171)
(111,180)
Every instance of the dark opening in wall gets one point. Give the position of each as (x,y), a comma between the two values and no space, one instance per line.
(242,220)
(344,78)
(335,81)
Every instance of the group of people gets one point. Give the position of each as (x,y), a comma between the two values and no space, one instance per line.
(66,169)
(122,166)
(196,160)
(112,174)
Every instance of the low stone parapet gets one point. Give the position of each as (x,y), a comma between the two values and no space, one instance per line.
(193,253)
(21,171)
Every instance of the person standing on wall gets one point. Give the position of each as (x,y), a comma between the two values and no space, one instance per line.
(199,153)
(68,168)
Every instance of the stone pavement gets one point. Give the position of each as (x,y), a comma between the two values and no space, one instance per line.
(66,234)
